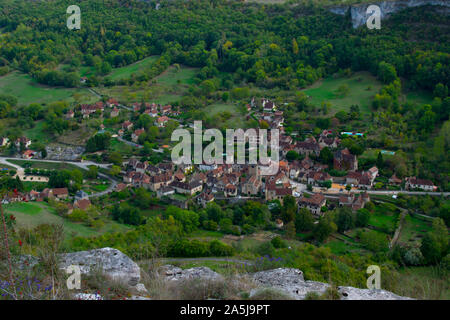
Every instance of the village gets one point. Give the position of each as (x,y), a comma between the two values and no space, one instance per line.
(305,178)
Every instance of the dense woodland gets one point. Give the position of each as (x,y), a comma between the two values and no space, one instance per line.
(286,46)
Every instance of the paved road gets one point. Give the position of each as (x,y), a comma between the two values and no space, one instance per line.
(136,145)
(129,142)
(391,192)
(95,93)
(83,165)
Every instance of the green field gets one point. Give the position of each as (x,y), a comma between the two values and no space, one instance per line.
(24,208)
(46,165)
(358,83)
(382,221)
(236,120)
(339,244)
(414,228)
(372,153)
(166,88)
(127,71)
(419,98)
(172,76)
(27,90)
(30,215)
(37,133)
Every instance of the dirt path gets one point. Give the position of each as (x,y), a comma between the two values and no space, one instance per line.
(399,229)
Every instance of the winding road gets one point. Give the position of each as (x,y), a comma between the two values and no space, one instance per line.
(83,165)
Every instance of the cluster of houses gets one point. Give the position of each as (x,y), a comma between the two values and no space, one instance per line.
(22,144)
(313,173)
(152,109)
(161,114)
(55,193)
(80,200)
(208,182)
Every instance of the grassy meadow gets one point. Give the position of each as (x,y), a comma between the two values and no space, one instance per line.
(362,88)
(31,214)
(27,90)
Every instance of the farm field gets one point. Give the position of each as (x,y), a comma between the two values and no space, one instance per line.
(414,228)
(362,87)
(340,244)
(383,221)
(27,90)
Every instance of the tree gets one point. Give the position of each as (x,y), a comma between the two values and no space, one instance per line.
(292,155)
(440,91)
(380,160)
(92,172)
(98,142)
(435,243)
(278,243)
(324,228)
(430,249)
(59,179)
(77,176)
(386,72)
(374,241)
(304,220)
(344,219)
(362,218)
(295,47)
(290,230)
(115,170)
(343,90)
(225,96)
(116,158)
(326,156)
(288,209)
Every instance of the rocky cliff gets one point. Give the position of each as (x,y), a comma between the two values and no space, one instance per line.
(358,11)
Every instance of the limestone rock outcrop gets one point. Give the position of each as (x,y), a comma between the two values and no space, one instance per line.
(350,293)
(111,262)
(172,273)
(291,282)
(359,15)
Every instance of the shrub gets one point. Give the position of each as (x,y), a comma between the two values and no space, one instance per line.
(266,249)
(413,257)
(278,243)
(78,215)
(220,249)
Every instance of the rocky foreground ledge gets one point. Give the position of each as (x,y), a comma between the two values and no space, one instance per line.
(290,282)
